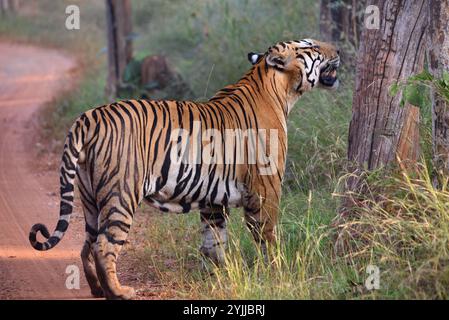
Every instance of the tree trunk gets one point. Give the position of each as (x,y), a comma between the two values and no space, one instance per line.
(119,28)
(327,24)
(408,151)
(9,6)
(4,6)
(15,5)
(390,54)
(438,61)
(382,131)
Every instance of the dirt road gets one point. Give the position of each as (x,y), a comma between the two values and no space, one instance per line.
(30,77)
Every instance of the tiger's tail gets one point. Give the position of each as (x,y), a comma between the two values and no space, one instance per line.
(72,149)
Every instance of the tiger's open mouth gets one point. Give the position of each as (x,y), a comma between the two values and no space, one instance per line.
(328,74)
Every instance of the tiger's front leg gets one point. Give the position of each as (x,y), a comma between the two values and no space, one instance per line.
(214,233)
(261,215)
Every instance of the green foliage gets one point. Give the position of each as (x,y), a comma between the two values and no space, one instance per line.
(131,74)
(131,85)
(394,89)
(415,90)
(442,85)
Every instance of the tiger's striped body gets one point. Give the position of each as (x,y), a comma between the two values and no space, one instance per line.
(122,154)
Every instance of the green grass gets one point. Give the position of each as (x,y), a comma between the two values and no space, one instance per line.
(401,226)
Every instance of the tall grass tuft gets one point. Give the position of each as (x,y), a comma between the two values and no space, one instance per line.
(300,267)
(401,224)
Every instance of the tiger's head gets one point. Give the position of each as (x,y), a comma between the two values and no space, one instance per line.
(307,63)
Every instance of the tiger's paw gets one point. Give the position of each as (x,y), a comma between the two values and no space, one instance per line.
(215,254)
(124,293)
(97,293)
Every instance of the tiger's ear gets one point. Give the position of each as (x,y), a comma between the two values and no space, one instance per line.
(254,57)
(276,60)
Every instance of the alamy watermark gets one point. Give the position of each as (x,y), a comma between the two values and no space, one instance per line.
(372,17)
(73,279)
(72,22)
(372,282)
(226,147)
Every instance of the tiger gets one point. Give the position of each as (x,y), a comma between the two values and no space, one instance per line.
(124,153)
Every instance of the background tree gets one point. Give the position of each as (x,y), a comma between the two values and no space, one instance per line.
(380,129)
(119,28)
(9,6)
(438,62)
(341,23)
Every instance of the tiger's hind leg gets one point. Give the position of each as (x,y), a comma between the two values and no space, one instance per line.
(214,233)
(114,225)
(90,270)
(91,220)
